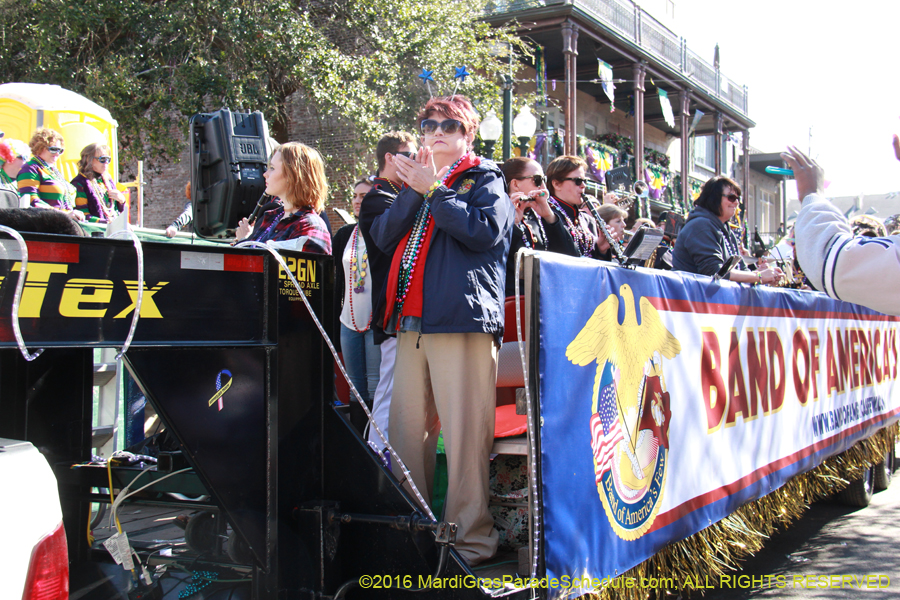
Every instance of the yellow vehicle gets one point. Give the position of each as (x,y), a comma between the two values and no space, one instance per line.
(26,106)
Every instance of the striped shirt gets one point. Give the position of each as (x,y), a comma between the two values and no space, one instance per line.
(92,198)
(304,227)
(185,218)
(46,188)
(7,182)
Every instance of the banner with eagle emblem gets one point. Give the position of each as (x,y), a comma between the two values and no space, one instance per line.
(668,400)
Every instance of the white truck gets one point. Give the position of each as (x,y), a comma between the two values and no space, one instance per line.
(34,560)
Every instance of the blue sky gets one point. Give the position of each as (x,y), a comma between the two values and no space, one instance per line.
(834,67)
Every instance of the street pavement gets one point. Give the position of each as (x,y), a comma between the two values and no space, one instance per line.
(820,554)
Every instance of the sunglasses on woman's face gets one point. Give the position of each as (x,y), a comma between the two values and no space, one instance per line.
(537,179)
(56,150)
(448,126)
(579,181)
(103,159)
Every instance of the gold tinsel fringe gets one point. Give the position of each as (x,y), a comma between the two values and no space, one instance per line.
(703,557)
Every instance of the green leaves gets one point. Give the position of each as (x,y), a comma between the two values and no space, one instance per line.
(154,63)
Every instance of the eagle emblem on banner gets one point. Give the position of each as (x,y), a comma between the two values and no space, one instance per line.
(630,413)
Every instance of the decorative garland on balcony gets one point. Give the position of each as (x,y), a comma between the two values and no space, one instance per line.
(656,157)
(619,142)
(719,549)
(557,144)
(540,78)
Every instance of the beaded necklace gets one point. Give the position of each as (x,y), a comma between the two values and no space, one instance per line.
(67,196)
(393,187)
(357,277)
(580,235)
(358,263)
(543,240)
(101,190)
(730,244)
(414,244)
(525,230)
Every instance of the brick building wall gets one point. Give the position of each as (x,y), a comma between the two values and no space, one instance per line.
(164,196)
(345,161)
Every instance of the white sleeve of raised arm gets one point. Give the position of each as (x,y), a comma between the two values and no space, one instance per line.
(854,269)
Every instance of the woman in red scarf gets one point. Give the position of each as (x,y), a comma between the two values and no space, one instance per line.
(449,232)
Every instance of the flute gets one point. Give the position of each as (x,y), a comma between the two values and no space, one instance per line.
(616,248)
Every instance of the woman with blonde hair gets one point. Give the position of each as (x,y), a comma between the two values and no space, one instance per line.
(40,182)
(95,193)
(614,217)
(296,175)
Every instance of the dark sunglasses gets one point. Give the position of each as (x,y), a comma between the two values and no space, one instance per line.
(56,150)
(732,197)
(103,159)
(537,179)
(448,126)
(579,181)
(409,155)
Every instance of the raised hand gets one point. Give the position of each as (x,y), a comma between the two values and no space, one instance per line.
(810,177)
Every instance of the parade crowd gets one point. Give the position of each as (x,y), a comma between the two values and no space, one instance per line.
(423,276)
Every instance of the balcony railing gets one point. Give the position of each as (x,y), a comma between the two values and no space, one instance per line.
(634,24)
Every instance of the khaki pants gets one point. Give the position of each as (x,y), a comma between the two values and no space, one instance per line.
(449,382)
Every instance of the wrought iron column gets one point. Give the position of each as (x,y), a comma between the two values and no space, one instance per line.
(570,50)
(720,131)
(685,146)
(639,70)
(745,149)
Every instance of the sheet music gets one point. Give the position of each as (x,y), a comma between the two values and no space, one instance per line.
(648,243)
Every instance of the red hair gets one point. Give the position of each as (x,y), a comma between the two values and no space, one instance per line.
(455,107)
(6,151)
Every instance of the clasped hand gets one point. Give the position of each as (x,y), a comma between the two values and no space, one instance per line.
(419,174)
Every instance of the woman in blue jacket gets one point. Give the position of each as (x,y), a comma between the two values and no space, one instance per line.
(449,233)
(706,241)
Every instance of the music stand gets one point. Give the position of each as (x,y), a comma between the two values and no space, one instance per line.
(642,244)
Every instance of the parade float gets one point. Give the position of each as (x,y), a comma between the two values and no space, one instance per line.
(668,421)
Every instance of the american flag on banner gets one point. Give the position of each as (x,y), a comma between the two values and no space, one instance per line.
(606,431)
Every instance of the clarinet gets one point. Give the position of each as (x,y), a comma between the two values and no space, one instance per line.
(263,200)
(616,248)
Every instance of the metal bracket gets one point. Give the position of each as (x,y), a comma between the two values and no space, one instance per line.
(445,534)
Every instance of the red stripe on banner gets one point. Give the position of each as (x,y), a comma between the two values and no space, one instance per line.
(708,498)
(247,264)
(713,308)
(53,252)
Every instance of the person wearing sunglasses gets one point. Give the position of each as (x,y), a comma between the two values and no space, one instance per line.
(566,181)
(385,188)
(41,184)
(96,195)
(449,233)
(706,241)
(13,154)
(537,226)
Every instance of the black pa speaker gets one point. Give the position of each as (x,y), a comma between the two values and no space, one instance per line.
(228,159)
